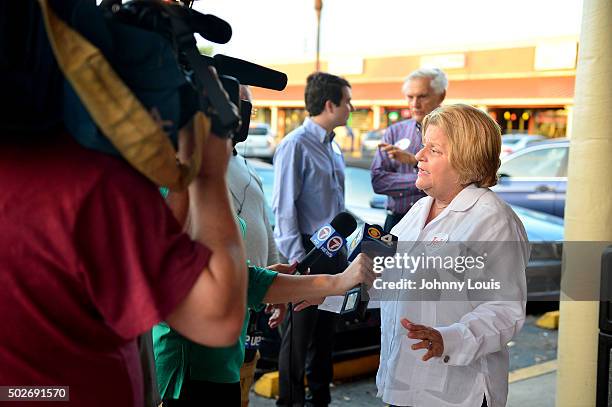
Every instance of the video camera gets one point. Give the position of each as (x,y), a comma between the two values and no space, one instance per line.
(178,23)
(123,79)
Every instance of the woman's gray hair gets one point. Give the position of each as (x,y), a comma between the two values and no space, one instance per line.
(439,82)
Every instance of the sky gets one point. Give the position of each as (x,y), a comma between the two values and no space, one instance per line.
(284,31)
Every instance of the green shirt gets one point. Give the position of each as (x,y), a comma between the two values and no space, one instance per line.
(174,354)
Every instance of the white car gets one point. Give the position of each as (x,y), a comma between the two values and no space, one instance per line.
(514,142)
(370,142)
(260,143)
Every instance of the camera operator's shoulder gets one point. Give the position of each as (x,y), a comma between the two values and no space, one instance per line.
(94,169)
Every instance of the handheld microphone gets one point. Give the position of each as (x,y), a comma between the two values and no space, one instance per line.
(372,238)
(249,73)
(328,240)
(374,241)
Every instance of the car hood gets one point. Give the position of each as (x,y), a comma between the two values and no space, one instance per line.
(540,226)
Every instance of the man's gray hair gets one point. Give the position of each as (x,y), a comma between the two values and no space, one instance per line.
(439,82)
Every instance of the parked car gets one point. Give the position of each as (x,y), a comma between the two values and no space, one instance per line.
(360,337)
(515,142)
(536,177)
(370,142)
(259,144)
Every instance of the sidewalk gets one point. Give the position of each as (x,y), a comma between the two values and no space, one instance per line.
(536,391)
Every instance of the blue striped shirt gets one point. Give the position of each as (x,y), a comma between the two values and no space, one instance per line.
(308,186)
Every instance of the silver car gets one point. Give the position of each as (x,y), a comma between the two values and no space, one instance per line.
(260,143)
(514,142)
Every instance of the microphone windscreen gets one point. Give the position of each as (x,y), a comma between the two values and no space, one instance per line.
(211,27)
(249,73)
(344,223)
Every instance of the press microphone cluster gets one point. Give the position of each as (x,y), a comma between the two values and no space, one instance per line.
(374,241)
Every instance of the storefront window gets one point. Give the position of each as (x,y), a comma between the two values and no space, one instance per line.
(359,123)
(289,120)
(394,115)
(261,115)
(549,122)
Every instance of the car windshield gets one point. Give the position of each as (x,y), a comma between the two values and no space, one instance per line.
(510,142)
(544,162)
(258,131)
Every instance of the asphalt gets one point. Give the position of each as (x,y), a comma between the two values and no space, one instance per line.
(537,391)
(532,378)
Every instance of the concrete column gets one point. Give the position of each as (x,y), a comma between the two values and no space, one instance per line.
(376,118)
(588,213)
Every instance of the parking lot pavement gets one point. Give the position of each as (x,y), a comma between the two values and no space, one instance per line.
(532,346)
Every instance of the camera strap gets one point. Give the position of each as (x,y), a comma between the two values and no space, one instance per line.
(118,113)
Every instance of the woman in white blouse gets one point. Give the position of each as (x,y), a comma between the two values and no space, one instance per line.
(454,353)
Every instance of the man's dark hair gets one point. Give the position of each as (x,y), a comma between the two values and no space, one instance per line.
(321,87)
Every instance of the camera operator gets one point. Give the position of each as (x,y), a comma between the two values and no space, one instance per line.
(92,257)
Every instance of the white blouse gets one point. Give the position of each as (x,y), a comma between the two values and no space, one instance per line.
(475,330)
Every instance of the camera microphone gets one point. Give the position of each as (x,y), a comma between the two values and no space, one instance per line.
(211,27)
(249,73)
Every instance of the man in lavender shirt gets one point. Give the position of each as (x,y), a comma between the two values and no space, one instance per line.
(308,193)
(394,166)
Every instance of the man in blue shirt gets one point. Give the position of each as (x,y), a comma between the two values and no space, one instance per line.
(308,193)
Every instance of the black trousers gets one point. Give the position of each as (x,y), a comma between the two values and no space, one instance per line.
(199,393)
(391,220)
(307,345)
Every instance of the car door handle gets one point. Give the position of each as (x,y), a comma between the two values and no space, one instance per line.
(544,188)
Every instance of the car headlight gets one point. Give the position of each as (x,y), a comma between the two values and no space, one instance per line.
(270,140)
(546,251)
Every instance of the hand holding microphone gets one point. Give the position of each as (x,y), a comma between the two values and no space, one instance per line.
(360,271)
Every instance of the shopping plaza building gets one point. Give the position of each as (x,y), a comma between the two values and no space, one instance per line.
(527,89)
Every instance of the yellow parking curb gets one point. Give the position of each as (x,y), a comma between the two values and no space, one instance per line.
(532,371)
(267,385)
(550,320)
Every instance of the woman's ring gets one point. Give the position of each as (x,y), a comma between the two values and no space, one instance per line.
(430,345)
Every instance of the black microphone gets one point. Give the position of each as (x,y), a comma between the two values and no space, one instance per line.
(328,240)
(249,73)
(210,27)
(374,241)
